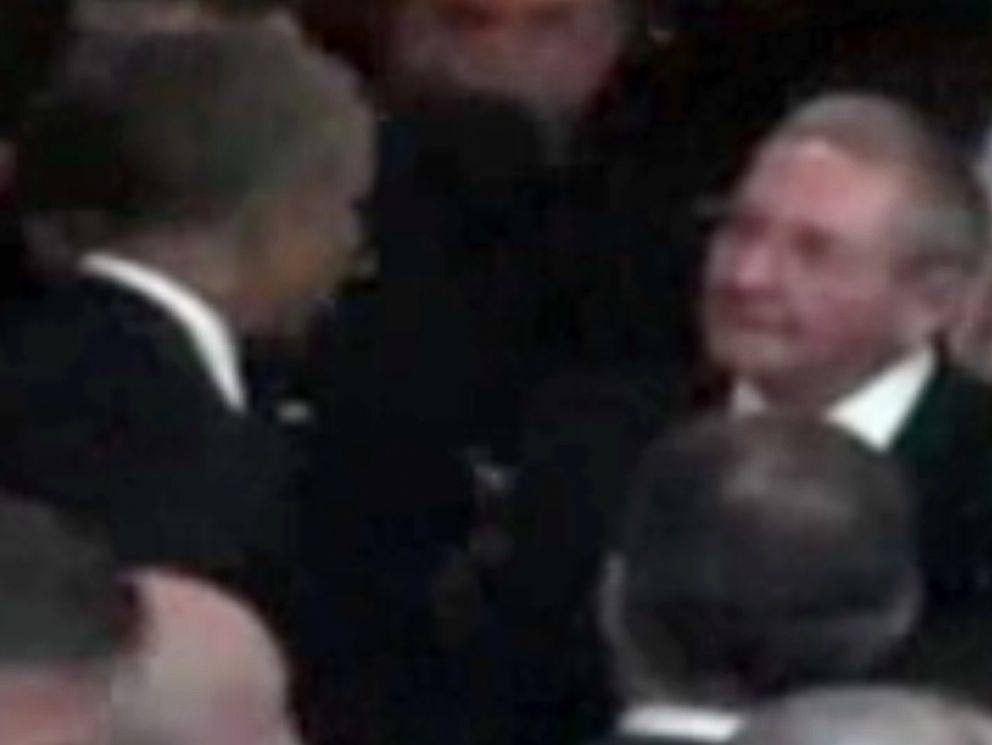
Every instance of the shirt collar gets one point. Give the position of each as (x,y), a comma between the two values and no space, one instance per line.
(206,329)
(876,411)
(689,722)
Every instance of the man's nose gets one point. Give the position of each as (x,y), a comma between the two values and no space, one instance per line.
(750,266)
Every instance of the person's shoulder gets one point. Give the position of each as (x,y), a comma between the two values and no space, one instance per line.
(955,393)
(964,382)
(70,306)
(100,350)
(52,326)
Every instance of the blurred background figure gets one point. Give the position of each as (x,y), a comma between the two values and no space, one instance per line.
(760,556)
(523,174)
(881,716)
(206,671)
(854,331)
(32,37)
(66,623)
(552,57)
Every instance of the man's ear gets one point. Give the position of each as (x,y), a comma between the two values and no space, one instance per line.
(56,240)
(609,605)
(905,608)
(970,332)
(942,296)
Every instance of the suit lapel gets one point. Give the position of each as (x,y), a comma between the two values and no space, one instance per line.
(164,340)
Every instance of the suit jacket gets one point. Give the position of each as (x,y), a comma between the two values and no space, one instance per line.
(106,412)
(945,450)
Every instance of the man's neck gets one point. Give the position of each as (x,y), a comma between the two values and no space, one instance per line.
(789,396)
(874,409)
(814,393)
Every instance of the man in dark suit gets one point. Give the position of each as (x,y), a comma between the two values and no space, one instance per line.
(761,554)
(829,286)
(194,226)
(832,277)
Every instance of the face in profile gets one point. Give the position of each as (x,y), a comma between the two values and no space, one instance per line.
(310,242)
(549,55)
(805,289)
(58,706)
(321,249)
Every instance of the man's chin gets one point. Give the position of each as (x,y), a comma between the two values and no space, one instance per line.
(751,356)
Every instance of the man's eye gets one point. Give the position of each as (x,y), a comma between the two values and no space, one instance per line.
(551,18)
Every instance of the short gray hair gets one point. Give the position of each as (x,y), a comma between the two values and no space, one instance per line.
(877,715)
(189,127)
(947,221)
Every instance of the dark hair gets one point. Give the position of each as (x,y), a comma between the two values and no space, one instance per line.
(187,127)
(61,600)
(769,549)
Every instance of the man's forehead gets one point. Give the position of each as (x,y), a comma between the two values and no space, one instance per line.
(817,179)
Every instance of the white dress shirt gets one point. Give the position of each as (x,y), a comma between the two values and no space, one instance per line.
(876,411)
(207,331)
(679,722)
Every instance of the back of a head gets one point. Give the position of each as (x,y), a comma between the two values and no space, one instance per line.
(188,128)
(767,551)
(66,622)
(206,671)
(61,603)
(867,716)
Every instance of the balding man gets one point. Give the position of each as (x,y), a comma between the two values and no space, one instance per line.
(206,671)
(877,715)
(760,555)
